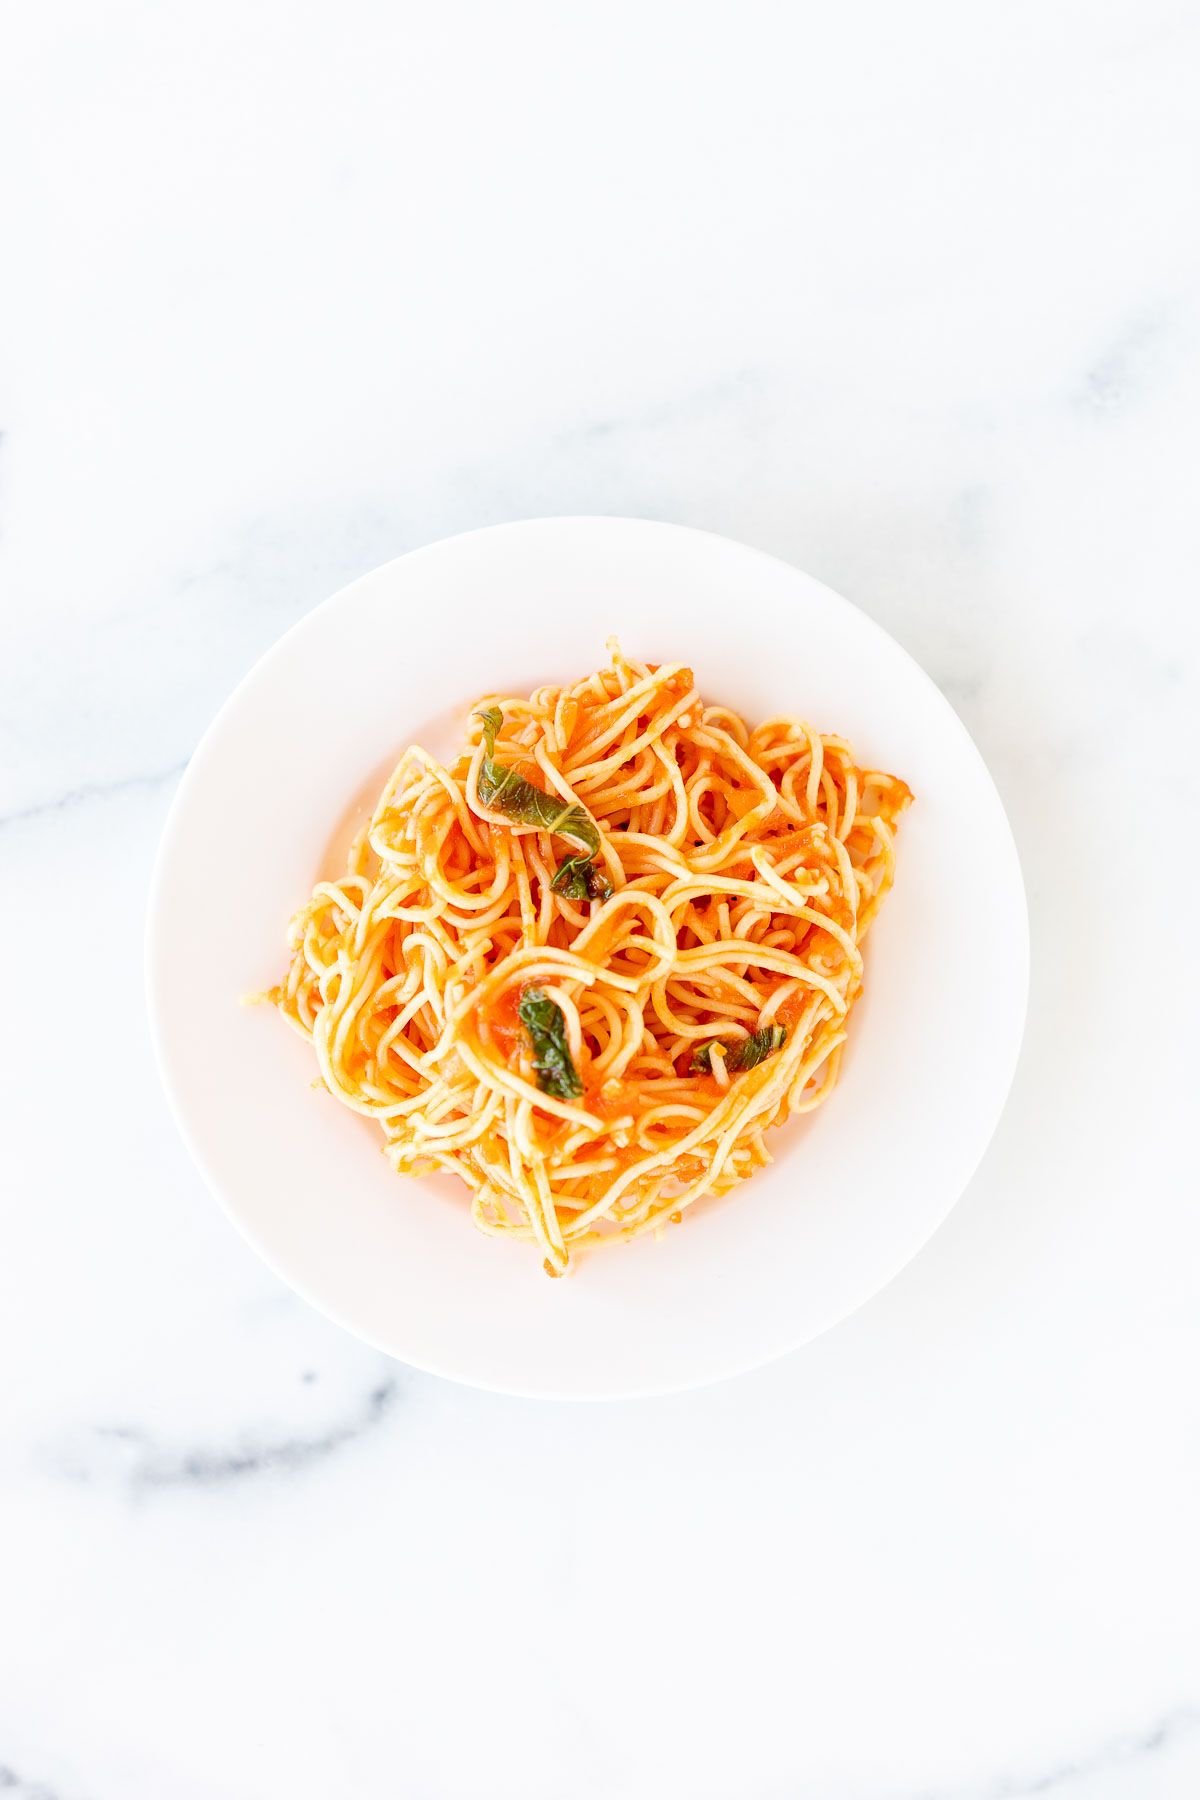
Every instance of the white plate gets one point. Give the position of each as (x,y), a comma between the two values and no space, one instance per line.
(398,657)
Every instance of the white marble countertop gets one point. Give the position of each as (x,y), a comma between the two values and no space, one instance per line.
(906,295)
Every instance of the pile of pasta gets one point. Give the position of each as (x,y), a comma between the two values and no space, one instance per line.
(588,966)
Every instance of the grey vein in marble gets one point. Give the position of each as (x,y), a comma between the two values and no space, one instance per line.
(969,512)
(91,791)
(148,1466)
(20,1789)
(683,407)
(1125,369)
(1069,1778)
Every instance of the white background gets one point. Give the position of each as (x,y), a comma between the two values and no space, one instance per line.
(906,294)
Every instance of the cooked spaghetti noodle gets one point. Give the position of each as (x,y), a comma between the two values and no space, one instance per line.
(587,966)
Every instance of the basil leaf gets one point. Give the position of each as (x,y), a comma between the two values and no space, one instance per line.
(578,878)
(506,791)
(745,1054)
(543,1020)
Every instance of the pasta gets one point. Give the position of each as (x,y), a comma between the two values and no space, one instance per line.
(586,967)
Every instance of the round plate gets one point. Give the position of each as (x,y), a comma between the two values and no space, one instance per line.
(264,809)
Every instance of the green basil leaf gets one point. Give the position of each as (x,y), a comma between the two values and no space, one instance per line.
(579,878)
(745,1054)
(543,1020)
(506,790)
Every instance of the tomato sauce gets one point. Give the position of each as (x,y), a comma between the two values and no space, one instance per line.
(502,1022)
(789,1011)
(607,1105)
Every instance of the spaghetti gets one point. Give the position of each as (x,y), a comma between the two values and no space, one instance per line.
(590,964)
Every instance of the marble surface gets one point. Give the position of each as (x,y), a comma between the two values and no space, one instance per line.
(907,295)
